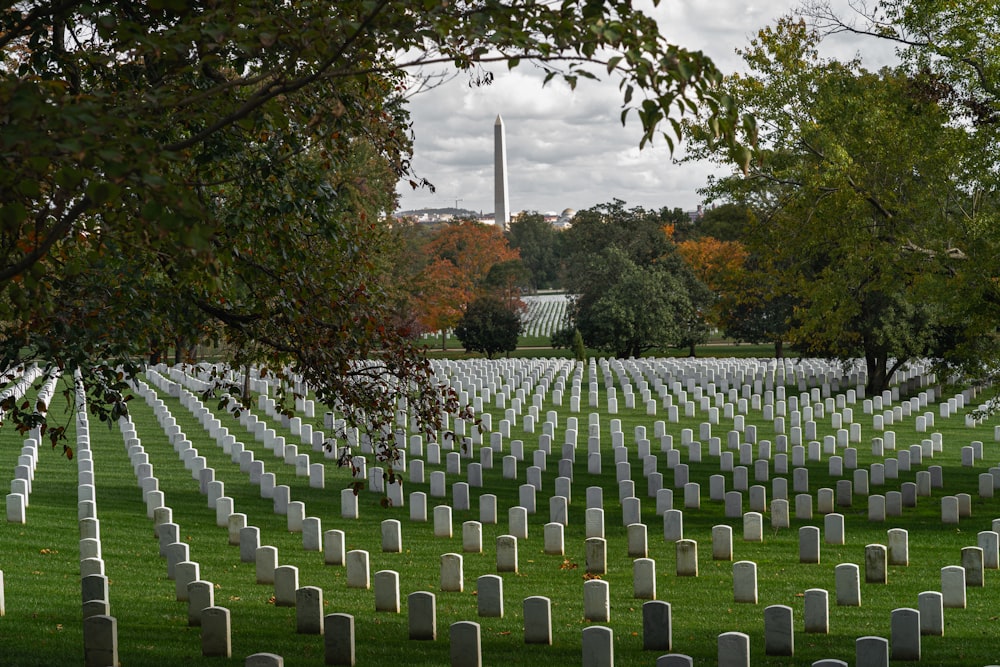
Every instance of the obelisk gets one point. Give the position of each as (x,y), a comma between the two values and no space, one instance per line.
(501,211)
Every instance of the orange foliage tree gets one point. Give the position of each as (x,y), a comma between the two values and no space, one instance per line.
(459,258)
(718,264)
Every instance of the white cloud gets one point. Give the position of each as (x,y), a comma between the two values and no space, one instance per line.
(567,148)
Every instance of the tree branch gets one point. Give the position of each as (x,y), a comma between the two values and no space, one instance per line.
(270,92)
(57,232)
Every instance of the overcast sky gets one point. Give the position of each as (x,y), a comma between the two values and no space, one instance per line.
(568,149)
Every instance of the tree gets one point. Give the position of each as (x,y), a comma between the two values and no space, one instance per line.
(719,266)
(854,176)
(223,169)
(489,326)
(539,246)
(460,257)
(506,280)
(632,290)
(637,308)
(725,222)
(946,49)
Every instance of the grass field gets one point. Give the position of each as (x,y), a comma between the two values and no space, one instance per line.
(39,559)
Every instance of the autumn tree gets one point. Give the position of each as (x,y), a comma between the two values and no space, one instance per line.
(719,265)
(459,259)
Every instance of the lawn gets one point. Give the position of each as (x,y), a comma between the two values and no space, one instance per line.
(42,582)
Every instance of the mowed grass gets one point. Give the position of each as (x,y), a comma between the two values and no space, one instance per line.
(42,625)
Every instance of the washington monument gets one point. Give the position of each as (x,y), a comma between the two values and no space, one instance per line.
(501,210)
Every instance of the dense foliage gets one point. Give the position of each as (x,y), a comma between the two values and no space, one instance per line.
(632,291)
(489,325)
(865,219)
(178,172)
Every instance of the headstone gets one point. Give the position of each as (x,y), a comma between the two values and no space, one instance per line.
(100,641)
(596,600)
(745,581)
(899,548)
(673,525)
(833,528)
(930,604)
(184,574)
(506,553)
(734,649)
(387,597)
(358,574)
(657,630)
(392,536)
(286,583)
(753,527)
(338,639)
(989,542)
(722,542)
(489,595)
(598,641)
(452,573)
(442,521)
(537,620)
(200,596)
(848,583)
(466,644)
(905,634)
(309,610)
(876,569)
(687,558)
(644,579)
(638,543)
(809,546)
(871,652)
(817,611)
(422,611)
(953,587)
(216,633)
(333,547)
(554,540)
(972,561)
(779,634)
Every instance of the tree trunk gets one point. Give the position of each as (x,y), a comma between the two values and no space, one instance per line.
(444,340)
(691,352)
(878,379)
(245,398)
(779,349)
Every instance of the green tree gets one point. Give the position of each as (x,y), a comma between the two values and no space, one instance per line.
(223,170)
(726,222)
(947,49)
(489,326)
(636,308)
(632,291)
(506,280)
(854,178)
(539,246)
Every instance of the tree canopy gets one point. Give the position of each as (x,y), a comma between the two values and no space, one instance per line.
(489,325)
(857,181)
(175,172)
(632,291)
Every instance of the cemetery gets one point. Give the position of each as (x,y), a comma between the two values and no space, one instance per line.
(608,512)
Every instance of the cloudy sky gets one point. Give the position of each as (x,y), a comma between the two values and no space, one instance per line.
(568,149)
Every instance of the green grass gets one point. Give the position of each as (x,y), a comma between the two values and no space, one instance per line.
(42,625)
